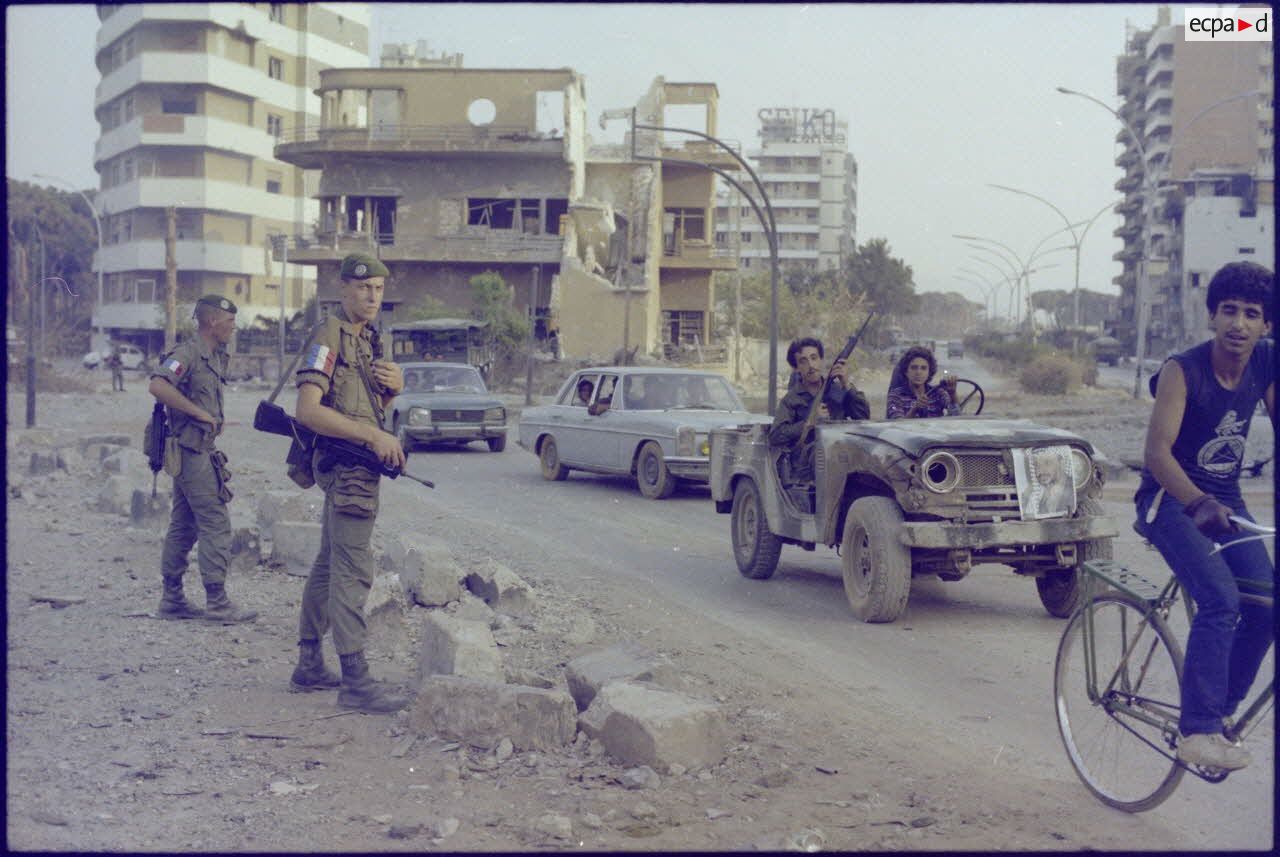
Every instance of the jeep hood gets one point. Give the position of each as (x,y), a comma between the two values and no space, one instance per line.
(914,436)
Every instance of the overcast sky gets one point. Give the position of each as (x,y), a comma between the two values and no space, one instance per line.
(940,100)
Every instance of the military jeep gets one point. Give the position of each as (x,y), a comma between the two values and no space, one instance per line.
(914,497)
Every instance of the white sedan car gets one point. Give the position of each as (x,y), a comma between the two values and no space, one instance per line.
(650,423)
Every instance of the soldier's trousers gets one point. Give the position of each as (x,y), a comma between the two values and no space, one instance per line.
(117,381)
(339,582)
(198,514)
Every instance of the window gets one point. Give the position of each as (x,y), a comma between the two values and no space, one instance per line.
(1195,279)
(275,68)
(1246,251)
(494,213)
(128,169)
(128,108)
(274,180)
(274,124)
(178,105)
(128,48)
(683,327)
(277,12)
(683,224)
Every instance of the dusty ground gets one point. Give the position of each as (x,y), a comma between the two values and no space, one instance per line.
(129,733)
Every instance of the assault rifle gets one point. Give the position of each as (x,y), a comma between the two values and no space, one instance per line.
(812,420)
(153,439)
(273,419)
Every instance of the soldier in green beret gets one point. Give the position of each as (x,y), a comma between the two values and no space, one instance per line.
(189,382)
(343,386)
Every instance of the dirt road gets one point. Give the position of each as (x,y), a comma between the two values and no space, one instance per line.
(935,732)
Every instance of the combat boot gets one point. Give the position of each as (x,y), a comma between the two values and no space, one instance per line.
(219,608)
(362,693)
(310,674)
(174,604)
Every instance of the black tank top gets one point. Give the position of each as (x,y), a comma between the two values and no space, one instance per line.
(1211,440)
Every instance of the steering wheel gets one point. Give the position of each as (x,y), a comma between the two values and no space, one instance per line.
(964,400)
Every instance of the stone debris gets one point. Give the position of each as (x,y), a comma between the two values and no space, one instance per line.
(445,828)
(294,545)
(502,589)
(554,825)
(642,777)
(519,675)
(504,750)
(90,440)
(115,497)
(128,462)
(627,661)
(427,578)
(467,606)
(296,505)
(646,725)
(452,646)
(482,713)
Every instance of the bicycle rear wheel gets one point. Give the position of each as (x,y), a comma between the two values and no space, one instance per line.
(1124,760)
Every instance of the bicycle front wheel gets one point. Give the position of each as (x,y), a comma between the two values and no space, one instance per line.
(1118,710)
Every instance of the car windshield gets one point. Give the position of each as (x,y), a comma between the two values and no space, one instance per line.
(659,392)
(443,379)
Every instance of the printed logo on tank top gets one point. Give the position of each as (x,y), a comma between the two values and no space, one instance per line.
(1221,454)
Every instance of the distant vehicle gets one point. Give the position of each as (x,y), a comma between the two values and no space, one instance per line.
(131,357)
(647,422)
(446,402)
(955,348)
(455,340)
(1106,349)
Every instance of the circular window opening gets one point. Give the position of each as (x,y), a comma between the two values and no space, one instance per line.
(481,112)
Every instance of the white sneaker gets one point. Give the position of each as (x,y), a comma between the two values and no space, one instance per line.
(1212,751)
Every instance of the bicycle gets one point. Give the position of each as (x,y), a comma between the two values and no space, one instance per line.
(1117,684)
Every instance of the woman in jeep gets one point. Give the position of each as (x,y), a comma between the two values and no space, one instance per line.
(910,394)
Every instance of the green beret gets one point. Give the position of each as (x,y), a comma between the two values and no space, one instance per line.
(361,266)
(218,301)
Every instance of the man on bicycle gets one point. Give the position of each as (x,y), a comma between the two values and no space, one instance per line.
(1204,399)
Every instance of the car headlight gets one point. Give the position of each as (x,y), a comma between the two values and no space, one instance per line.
(419,417)
(1081,467)
(940,472)
(685,439)
(495,415)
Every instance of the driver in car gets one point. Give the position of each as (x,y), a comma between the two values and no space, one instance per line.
(910,393)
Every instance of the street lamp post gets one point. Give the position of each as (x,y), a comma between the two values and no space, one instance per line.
(1023,269)
(988,291)
(767,223)
(1149,187)
(97,223)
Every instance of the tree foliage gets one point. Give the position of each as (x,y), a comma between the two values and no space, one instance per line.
(494,301)
(885,283)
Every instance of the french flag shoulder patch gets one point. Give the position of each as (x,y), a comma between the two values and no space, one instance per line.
(319,359)
(175,367)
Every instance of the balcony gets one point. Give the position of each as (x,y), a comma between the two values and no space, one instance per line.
(489,246)
(193,67)
(192,192)
(148,255)
(309,147)
(1129,181)
(704,152)
(1130,229)
(171,129)
(130,315)
(699,255)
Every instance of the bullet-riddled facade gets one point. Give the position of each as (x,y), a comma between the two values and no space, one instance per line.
(446,173)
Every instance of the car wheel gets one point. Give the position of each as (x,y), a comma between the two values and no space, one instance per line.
(549,458)
(1062,590)
(755,547)
(401,435)
(877,566)
(497,444)
(652,475)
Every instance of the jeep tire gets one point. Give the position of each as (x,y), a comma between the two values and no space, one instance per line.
(1062,589)
(876,565)
(755,547)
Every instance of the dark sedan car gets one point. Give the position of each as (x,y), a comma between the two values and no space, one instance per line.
(446,403)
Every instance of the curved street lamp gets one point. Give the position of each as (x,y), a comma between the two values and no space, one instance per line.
(97,223)
(1150,186)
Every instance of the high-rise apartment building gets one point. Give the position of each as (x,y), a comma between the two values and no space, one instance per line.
(812,181)
(1202,111)
(192,100)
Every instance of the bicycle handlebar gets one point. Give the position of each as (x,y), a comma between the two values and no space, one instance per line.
(1252,526)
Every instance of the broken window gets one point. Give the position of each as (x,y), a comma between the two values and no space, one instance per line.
(530,220)
(384,214)
(683,327)
(556,209)
(493,213)
(680,225)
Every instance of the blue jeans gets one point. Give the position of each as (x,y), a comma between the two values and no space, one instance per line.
(1228,639)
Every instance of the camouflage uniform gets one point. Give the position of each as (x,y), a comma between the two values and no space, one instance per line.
(200,493)
(342,574)
(117,370)
(343,570)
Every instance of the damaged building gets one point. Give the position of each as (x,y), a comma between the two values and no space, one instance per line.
(445,173)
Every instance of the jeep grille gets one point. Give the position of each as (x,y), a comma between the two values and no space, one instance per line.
(988,485)
(983,469)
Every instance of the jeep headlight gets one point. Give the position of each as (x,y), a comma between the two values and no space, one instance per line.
(419,417)
(686,438)
(495,415)
(1081,467)
(940,472)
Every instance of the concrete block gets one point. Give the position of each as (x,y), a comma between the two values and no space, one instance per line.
(146,510)
(288,505)
(294,545)
(482,713)
(429,578)
(127,462)
(467,606)
(627,661)
(42,463)
(646,725)
(502,589)
(452,646)
(115,497)
(384,612)
(89,440)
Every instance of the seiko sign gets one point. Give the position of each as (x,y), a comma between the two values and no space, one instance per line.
(800,125)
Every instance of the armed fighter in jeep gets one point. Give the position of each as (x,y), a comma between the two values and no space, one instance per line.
(915,497)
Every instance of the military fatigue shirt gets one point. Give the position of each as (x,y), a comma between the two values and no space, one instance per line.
(198,371)
(793,410)
(331,362)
